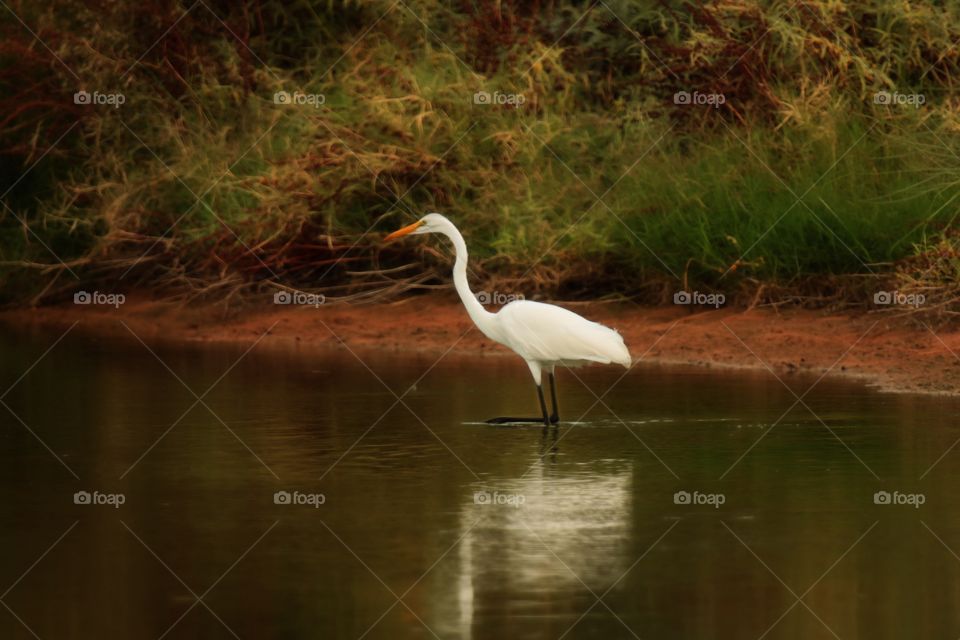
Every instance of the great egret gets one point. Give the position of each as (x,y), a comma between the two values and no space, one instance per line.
(544,335)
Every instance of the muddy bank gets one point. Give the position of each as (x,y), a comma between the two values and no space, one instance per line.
(893,354)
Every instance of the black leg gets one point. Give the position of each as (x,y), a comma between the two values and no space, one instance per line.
(543,409)
(543,406)
(555,418)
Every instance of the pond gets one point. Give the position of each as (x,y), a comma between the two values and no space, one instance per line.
(155,490)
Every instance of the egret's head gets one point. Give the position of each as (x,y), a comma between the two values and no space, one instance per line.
(430,223)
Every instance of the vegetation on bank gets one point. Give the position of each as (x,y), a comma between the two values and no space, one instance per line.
(770,151)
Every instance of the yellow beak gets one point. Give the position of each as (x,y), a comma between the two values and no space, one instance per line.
(399,233)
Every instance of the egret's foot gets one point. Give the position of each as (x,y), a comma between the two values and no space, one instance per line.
(509,420)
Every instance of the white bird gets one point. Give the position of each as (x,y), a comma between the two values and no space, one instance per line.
(544,335)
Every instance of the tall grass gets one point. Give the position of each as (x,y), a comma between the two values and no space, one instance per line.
(799,184)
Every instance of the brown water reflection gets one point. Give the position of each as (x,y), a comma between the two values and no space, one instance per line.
(480,532)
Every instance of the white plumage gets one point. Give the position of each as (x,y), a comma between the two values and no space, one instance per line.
(544,335)
(549,335)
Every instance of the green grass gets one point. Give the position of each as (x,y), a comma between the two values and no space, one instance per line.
(799,183)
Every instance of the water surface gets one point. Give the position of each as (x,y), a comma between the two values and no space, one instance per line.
(436,525)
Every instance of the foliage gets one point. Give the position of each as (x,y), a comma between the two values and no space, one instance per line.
(598,183)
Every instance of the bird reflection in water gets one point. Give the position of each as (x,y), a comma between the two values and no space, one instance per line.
(549,445)
(558,529)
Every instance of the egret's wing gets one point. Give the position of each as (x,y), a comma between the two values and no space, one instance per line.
(547,333)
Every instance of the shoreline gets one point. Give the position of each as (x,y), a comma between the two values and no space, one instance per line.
(885,352)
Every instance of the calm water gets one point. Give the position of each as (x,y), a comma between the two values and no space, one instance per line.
(577,533)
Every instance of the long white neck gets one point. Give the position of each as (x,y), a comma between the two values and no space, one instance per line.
(484,320)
